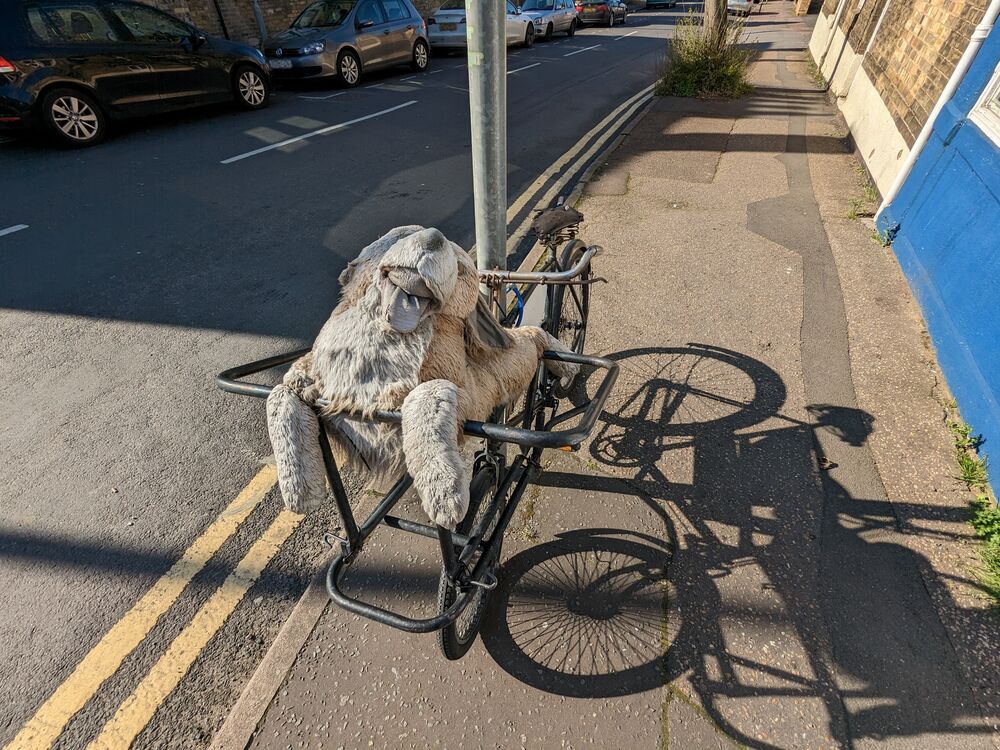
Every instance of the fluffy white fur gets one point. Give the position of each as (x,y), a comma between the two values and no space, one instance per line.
(294,433)
(430,445)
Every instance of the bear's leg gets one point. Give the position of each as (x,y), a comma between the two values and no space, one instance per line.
(430,447)
(294,430)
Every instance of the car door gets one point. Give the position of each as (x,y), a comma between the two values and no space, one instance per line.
(564,15)
(515,25)
(401,30)
(183,73)
(372,35)
(89,46)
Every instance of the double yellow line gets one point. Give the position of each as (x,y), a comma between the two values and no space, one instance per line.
(125,636)
(135,712)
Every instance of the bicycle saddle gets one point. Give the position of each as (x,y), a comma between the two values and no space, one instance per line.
(553,220)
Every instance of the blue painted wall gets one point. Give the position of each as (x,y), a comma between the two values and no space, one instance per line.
(946,221)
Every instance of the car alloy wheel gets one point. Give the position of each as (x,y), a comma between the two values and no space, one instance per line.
(350,71)
(252,88)
(75,118)
(421,56)
(572,28)
(548,32)
(611,18)
(529,35)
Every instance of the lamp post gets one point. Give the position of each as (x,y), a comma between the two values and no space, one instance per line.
(487,39)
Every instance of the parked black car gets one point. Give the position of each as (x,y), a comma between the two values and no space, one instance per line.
(603,12)
(72,65)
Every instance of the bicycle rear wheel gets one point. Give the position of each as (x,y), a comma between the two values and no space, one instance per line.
(571,304)
(570,310)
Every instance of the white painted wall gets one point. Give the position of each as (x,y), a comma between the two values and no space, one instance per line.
(878,139)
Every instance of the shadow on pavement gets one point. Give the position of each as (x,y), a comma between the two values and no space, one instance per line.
(782,587)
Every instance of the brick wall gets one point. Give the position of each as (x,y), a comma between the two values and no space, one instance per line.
(201,13)
(915,53)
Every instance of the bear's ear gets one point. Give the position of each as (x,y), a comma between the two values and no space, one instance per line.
(483,331)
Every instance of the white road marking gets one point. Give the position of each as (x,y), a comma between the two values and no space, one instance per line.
(577,52)
(328,96)
(518,70)
(408,78)
(11,230)
(435,72)
(321,131)
(625,36)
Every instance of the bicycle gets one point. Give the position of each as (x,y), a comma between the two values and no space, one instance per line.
(470,555)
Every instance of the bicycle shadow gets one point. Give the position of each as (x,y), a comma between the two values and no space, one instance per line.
(781,584)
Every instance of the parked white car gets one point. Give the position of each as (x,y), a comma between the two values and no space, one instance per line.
(739,7)
(551,16)
(446,26)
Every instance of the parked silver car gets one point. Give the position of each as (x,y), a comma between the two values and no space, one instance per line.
(344,38)
(446,26)
(551,16)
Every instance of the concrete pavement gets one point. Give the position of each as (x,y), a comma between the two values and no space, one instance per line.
(763,543)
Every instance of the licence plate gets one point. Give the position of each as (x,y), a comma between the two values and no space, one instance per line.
(280,64)
(449,27)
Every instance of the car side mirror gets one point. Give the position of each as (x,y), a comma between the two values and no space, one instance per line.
(198,39)
(517,10)
(367,23)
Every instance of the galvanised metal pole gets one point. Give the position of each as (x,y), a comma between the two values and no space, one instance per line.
(486,33)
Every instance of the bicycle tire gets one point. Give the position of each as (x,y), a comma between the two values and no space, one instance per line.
(571,304)
(456,639)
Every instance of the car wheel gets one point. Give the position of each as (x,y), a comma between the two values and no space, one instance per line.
(251,89)
(348,68)
(421,56)
(572,28)
(624,18)
(548,33)
(529,35)
(611,18)
(73,118)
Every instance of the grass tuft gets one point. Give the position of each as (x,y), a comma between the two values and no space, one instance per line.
(985,513)
(972,469)
(698,64)
(880,238)
(989,576)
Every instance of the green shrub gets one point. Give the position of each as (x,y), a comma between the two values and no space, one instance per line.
(986,518)
(700,64)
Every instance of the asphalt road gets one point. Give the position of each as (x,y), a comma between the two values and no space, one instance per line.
(145,266)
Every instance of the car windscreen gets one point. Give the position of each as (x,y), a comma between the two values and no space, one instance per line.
(538,5)
(453,5)
(324,13)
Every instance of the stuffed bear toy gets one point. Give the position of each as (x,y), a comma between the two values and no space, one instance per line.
(411,333)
